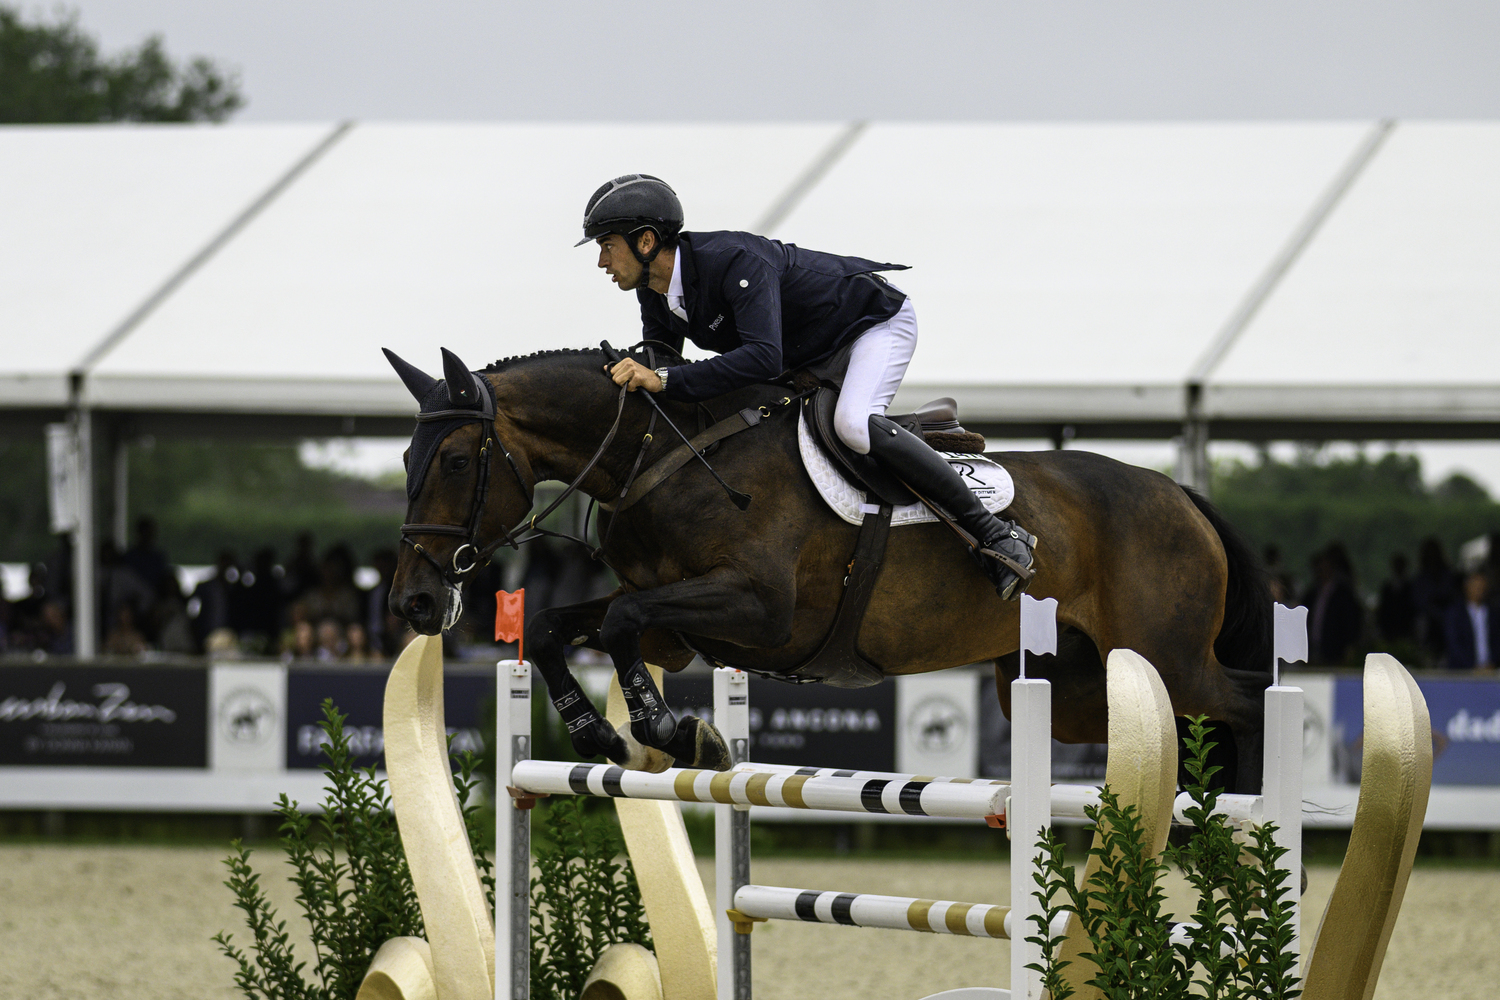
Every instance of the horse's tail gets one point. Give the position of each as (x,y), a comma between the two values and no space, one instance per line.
(1244,640)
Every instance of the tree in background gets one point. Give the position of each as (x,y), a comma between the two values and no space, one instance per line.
(54,72)
(1376,508)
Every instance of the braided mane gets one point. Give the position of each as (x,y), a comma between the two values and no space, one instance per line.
(572,352)
(500,365)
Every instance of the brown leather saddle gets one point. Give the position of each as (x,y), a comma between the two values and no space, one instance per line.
(936,422)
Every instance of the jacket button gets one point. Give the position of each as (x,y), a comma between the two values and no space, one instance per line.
(744,282)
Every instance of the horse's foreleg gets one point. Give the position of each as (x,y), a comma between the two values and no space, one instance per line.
(724,604)
(548,633)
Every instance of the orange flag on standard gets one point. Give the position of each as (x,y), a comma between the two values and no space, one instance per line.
(510,618)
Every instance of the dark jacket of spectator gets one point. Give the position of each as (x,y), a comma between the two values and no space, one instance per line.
(1334,613)
(1396,614)
(1467,647)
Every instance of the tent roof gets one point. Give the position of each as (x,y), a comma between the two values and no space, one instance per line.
(1078,274)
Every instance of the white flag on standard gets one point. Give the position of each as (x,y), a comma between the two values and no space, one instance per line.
(1290,639)
(1038,624)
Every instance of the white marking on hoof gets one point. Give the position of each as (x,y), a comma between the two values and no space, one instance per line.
(644,758)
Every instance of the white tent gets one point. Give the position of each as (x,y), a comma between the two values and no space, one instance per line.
(1253,280)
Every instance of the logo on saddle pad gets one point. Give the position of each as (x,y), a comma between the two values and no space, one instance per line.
(717,320)
(989,481)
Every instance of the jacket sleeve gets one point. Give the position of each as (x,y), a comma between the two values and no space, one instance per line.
(654,320)
(751,288)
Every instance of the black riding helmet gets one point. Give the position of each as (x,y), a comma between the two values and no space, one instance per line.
(630,204)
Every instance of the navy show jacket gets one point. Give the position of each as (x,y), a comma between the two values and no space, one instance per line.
(764,307)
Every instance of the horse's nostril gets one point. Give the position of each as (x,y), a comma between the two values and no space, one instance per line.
(419,605)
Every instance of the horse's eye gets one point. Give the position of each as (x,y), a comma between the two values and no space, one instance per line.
(458,464)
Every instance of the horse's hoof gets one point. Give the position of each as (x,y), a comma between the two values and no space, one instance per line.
(698,744)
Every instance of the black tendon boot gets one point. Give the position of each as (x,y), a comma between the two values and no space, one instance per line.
(1005,548)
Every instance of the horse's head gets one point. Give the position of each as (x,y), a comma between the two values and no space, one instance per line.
(465,489)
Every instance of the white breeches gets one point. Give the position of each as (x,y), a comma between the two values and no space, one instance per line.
(876,367)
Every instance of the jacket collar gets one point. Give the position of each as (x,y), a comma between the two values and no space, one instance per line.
(688,270)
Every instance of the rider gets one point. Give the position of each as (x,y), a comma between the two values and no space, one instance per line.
(766,308)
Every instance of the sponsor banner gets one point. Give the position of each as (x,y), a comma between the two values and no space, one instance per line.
(103,716)
(813,725)
(359,693)
(1465,729)
(248,724)
(939,731)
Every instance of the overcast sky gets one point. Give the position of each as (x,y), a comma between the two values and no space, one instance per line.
(810,60)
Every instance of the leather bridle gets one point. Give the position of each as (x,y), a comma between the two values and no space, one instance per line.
(470,553)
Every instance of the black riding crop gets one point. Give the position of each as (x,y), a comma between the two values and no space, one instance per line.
(740,500)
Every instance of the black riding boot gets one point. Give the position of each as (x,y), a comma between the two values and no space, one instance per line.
(1005,548)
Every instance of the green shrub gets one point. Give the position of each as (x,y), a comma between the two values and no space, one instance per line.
(584,898)
(353,885)
(355,891)
(1240,946)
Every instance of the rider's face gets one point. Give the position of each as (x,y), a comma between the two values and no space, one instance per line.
(618,262)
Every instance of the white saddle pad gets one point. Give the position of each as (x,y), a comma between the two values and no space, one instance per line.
(991,483)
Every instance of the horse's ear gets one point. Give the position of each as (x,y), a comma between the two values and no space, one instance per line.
(461,388)
(418,382)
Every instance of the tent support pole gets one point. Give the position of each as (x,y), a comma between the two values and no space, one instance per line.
(1192,446)
(120,481)
(85,593)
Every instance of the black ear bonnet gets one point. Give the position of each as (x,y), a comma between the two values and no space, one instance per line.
(443,410)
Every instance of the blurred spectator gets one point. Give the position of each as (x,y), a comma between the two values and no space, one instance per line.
(1335,616)
(124,639)
(331,642)
(1473,627)
(1276,577)
(302,569)
(222,644)
(357,645)
(302,643)
(261,601)
(144,558)
(1396,612)
(384,561)
(119,587)
(169,617)
(335,596)
(54,634)
(214,598)
(1432,591)
(26,614)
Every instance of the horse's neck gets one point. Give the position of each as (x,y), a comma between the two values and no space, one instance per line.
(566,416)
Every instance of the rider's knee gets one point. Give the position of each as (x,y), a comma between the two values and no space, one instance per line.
(853,428)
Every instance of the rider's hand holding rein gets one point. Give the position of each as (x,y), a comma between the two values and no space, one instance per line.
(632,373)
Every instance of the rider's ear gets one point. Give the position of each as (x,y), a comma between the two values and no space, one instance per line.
(646,242)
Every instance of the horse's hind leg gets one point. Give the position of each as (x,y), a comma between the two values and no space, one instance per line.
(1247,721)
(548,633)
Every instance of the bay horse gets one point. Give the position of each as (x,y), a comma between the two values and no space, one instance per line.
(1134,560)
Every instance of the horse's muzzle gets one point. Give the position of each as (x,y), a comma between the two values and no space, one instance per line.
(422,610)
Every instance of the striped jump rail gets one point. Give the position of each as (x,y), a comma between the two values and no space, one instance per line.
(753,903)
(865,909)
(1068,801)
(913,797)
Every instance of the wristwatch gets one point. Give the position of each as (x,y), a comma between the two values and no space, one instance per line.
(661,373)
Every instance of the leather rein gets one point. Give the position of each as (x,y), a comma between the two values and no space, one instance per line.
(470,554)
